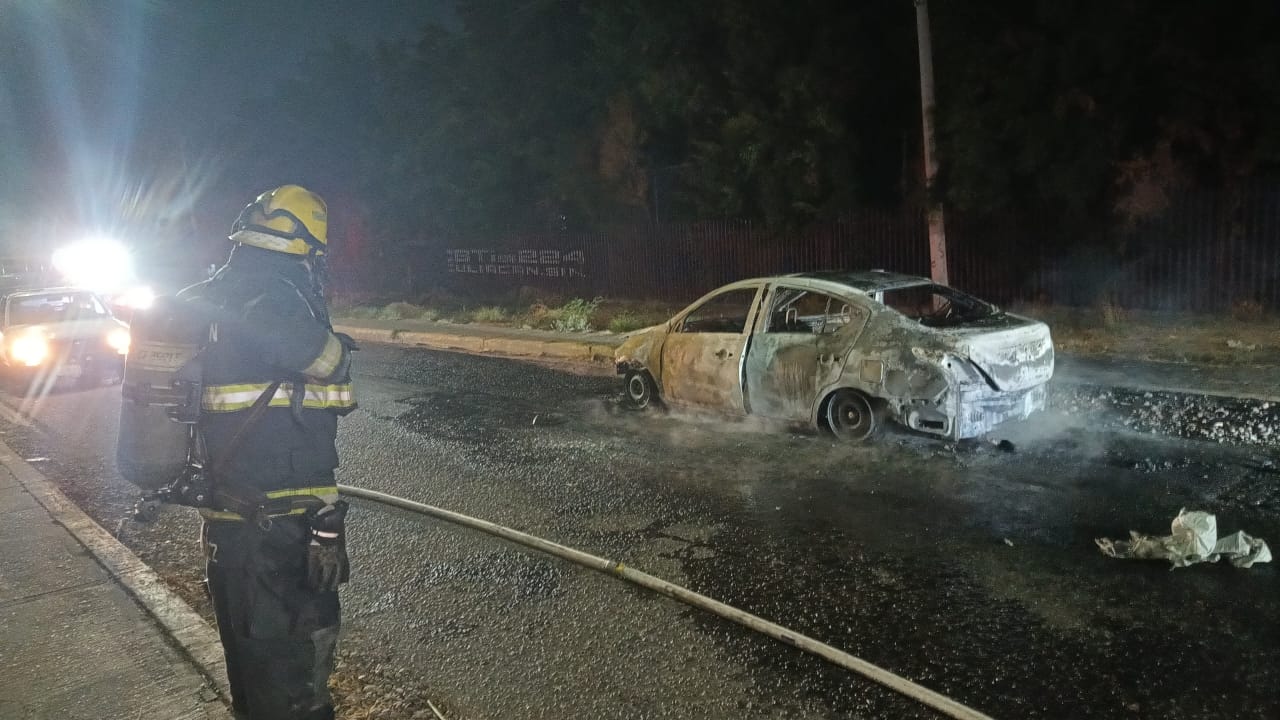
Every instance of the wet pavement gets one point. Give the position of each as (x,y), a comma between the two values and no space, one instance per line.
(969,570)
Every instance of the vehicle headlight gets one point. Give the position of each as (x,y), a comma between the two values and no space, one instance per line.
(30,350)
(119,339)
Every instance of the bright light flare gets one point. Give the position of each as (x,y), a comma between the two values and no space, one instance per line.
(29,349)
(119,340)
(95,263)
(138,298)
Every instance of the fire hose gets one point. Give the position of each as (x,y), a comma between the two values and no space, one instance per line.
(937,701)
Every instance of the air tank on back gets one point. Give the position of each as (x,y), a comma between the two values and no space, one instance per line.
(160,394)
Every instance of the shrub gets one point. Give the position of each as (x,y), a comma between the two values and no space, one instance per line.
(405,311)
(1248,311)
(489,313)
(575,315)
(626,321)
(358,312)
(1111,314)
(528,295)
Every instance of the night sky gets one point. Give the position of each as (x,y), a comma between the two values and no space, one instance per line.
(157,120)
(97,98)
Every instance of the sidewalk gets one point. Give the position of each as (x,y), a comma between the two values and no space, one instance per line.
(1252,383)
(78,643)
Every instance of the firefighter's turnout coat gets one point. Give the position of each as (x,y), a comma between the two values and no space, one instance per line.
(273,329)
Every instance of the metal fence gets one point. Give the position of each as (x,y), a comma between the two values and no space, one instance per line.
(1205,254)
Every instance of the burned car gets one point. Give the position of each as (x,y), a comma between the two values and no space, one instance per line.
(845,351)
(61,334)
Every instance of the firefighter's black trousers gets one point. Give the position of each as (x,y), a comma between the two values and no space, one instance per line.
(278,635)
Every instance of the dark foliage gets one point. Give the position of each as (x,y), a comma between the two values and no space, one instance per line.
(547,115)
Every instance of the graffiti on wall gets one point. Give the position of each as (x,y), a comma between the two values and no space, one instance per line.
(523,263)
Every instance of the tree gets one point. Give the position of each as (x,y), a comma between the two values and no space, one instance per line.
(1099,107)
(772,110)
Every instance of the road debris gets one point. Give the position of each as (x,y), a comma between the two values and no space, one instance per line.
(1194,540)
(1227,420)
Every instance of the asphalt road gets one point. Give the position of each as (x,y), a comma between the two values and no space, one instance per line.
(969,570)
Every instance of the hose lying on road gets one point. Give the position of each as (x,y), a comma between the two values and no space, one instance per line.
(941,703)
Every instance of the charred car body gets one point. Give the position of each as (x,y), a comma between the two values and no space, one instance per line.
(60,333)
(845,350)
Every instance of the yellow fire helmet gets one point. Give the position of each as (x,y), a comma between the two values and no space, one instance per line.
(290,219)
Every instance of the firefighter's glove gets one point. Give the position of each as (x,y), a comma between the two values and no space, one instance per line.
(327,564)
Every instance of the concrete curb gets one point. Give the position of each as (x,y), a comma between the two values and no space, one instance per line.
(595,352)
(195,637)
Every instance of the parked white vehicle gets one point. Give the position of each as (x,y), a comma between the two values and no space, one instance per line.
(845,350)
(61,333)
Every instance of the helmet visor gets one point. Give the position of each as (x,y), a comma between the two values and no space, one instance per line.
(279,222)
(253,217)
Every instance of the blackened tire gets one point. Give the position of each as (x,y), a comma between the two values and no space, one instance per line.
(852,416)
(639,390)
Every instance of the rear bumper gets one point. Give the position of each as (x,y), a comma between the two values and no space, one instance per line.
(973,411)
(980,412)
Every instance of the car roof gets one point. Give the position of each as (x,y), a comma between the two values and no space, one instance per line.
(866,281)
(31,292)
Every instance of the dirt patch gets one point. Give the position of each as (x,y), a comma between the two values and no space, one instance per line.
(1167,337)
(364,691)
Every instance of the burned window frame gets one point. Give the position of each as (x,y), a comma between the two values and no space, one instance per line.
(975,309)
(753,295)
(825,328)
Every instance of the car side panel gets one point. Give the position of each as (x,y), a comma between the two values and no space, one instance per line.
(704,369)
(785,370)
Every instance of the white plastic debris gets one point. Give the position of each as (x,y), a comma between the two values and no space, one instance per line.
(1194,540)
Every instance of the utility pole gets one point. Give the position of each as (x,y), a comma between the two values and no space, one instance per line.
(937,224)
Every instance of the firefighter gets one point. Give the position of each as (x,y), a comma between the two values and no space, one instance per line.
(276,378)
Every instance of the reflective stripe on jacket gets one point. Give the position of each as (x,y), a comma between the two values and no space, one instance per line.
(327,494)
(329,360)
(241,396)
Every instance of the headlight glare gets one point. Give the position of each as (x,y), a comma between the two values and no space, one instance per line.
(30,350)
(119,339)
(138,298)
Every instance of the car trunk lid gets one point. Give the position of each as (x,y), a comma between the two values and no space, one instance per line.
(1014,353)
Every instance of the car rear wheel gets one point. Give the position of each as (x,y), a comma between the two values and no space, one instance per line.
(852,415)
(639,389)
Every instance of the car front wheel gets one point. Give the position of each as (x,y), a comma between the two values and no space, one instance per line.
(640,389)
(852,416)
